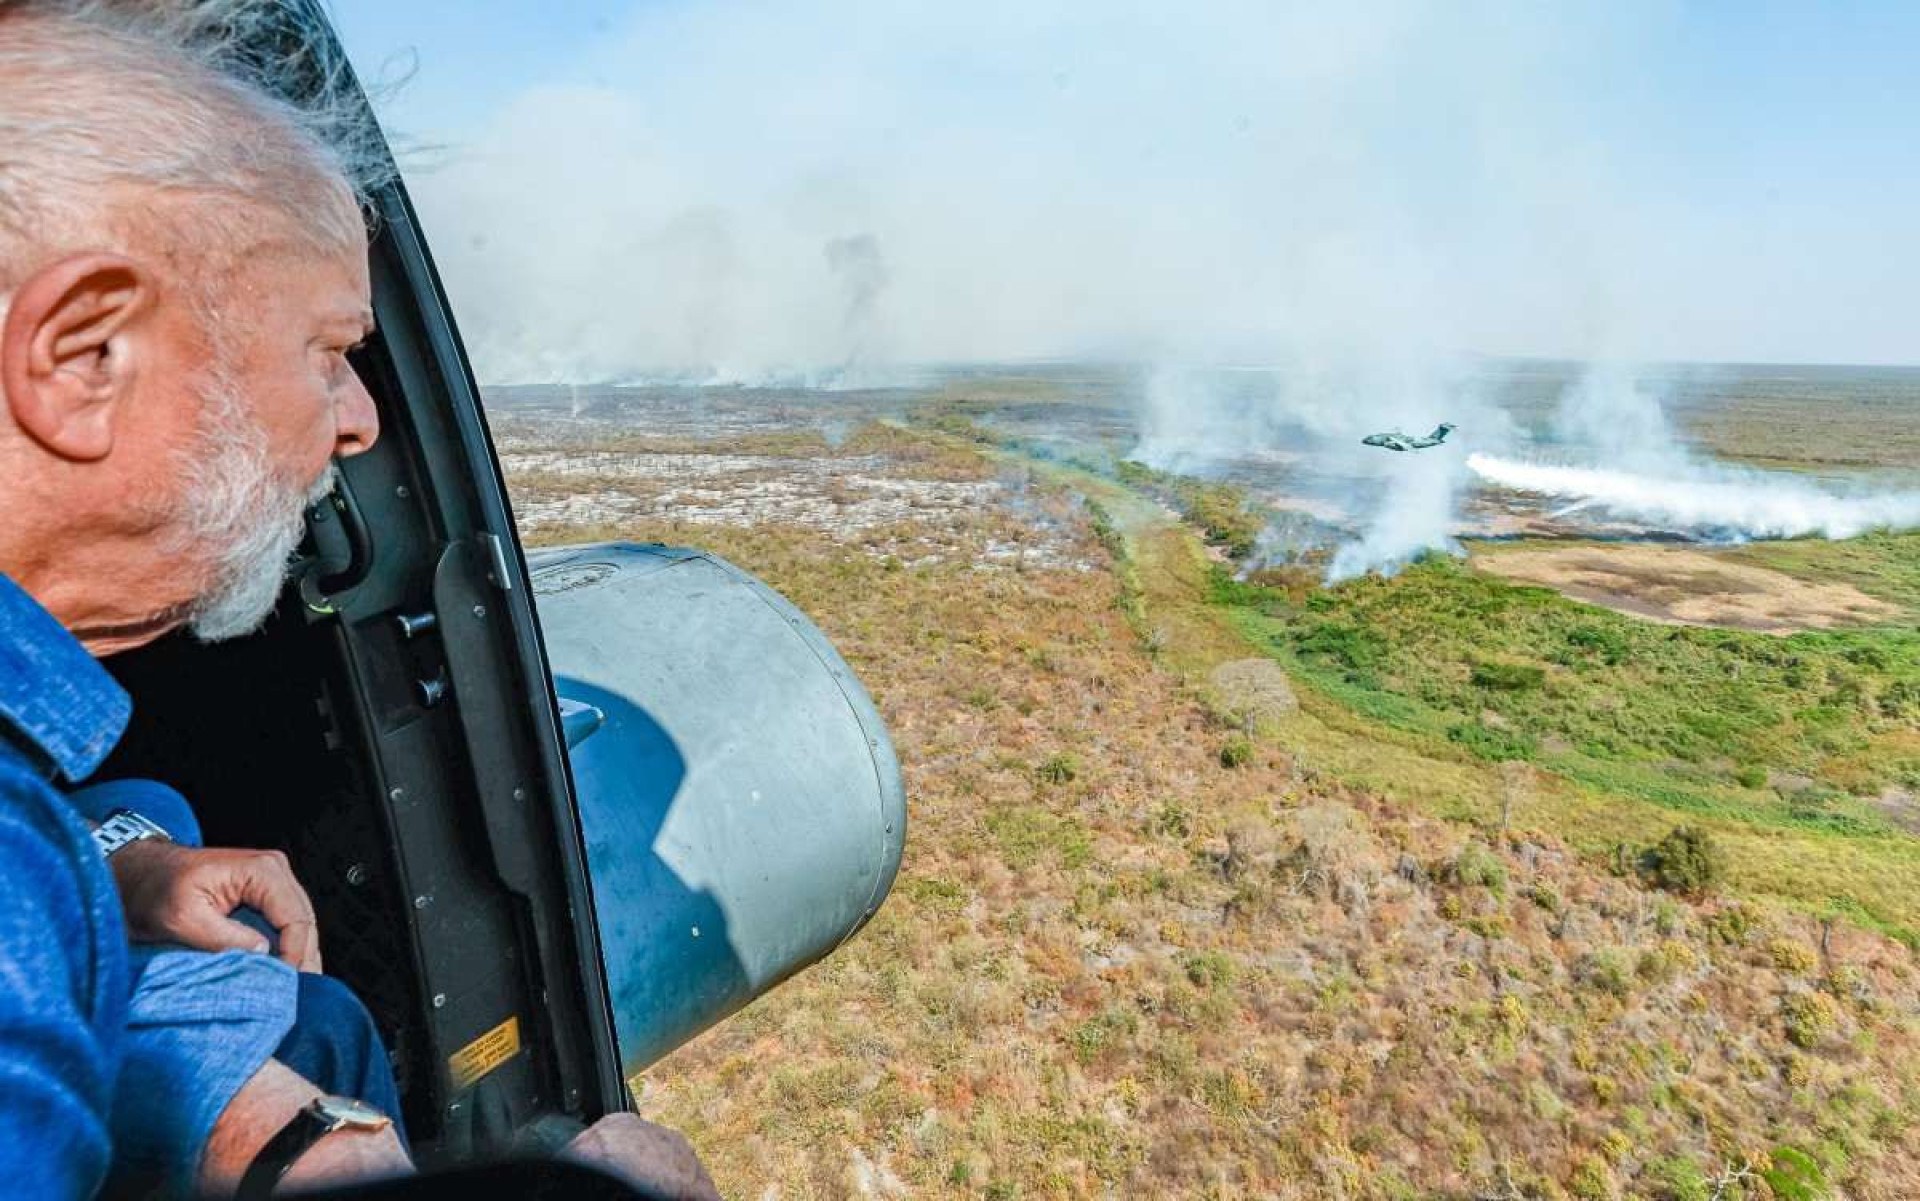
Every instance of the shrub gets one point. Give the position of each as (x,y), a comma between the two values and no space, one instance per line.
(1791,956)
(1171,821)
(1809,1017)
(1751,776)
(1732,925)
(1236,752)
(1477,864)
(1353,647)
(1507,677)
(1606,645)
(1662,963)
(1793,1175)
(1209,969)
(1496,746)
(1592,1180)
(1547,899)
(1901,701)
(1677,1179)
(1686,861)
(1058,769)
(1605,971)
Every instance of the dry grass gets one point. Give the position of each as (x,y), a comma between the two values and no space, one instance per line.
(1686,586)
(1115,966)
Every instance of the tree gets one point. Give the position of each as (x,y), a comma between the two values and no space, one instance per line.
(1686,861)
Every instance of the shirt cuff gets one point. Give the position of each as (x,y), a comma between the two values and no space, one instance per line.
(199,1026)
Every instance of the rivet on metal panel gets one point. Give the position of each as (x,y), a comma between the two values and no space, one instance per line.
(402,492)
(439,1000)
(423,900)
(519,794)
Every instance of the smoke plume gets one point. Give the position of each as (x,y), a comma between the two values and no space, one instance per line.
(1710,502)
(1228,182)
(1616,453)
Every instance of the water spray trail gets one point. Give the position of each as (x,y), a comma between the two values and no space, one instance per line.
(1722,503)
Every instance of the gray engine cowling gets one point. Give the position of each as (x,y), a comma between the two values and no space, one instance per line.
(741,803)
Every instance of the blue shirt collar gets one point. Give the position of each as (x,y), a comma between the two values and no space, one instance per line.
(54,697)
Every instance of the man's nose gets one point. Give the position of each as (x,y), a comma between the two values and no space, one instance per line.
(356,420)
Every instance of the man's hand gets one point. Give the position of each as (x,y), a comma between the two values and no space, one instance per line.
(646,1156)
(182,894)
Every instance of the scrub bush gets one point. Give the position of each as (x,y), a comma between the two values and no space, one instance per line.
(1686,861)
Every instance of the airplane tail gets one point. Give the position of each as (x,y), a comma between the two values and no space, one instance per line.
(1441,431)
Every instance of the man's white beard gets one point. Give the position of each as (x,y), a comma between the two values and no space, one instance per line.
(238,515)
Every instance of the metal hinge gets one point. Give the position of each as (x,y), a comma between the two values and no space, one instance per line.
(497,562)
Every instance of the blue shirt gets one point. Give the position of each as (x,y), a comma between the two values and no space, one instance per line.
(63,946)
(199,1024)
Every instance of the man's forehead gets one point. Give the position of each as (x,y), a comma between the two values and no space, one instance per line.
(332,286)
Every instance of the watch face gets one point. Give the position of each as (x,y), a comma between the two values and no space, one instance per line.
(346,1111)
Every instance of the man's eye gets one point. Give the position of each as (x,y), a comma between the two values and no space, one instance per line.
(338,369)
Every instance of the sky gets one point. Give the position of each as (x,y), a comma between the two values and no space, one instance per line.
(759,189)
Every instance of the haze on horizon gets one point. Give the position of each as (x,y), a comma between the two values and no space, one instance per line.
(623,189)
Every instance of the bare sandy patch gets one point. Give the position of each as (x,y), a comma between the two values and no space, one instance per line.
(1689,586)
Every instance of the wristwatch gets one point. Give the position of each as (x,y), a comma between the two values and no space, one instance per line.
(315,1121)
(122,829)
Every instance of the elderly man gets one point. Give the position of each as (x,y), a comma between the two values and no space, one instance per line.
(183,270)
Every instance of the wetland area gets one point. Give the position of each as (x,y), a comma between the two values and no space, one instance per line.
(1573,855)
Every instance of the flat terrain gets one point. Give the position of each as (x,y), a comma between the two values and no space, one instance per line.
(1688,586)
(1225,888)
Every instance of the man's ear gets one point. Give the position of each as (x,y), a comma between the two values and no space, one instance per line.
(66,357)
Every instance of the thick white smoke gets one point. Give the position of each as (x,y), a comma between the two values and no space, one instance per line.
(1610,454)
(1415,514)
(1294,432)
(1057,179)
(1706,500)
(1619,456)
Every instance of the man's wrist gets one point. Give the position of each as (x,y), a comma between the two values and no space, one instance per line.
(122,829)
(316,1120)
(263,1107)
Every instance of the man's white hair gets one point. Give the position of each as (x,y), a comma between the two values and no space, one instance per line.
(109,109)
(175,131)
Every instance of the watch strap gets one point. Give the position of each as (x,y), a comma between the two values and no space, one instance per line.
(282,1151)
(316,1120)
(122,829)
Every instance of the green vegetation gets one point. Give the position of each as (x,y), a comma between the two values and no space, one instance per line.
(1236,751)
(1686,861)
(1220,512)
(1700,711)
(1737,732)
(1409,946)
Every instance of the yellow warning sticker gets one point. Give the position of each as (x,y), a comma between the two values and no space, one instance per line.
(485,1053)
